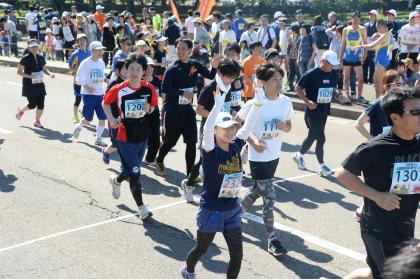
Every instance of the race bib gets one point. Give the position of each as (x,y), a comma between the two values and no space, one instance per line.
(231,185)
(235,98)
(226,107)
(37,77)
(324,95)
(270,130)
(183,100)
(406,178)
(97,76)
(386,129)
(241,26)
(134,109)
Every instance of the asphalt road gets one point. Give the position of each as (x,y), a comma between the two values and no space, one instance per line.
(59,220)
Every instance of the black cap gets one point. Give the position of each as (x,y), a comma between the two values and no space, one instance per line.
(299,11)
(356,14)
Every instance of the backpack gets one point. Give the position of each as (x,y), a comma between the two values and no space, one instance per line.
(270,40)
(321,40)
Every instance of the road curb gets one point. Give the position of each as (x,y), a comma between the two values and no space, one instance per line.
(336,110)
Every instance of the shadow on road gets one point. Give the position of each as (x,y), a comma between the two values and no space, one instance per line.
(49,134)
(6,182)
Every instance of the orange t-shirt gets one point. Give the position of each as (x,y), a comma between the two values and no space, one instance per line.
(100,20)
(250,64)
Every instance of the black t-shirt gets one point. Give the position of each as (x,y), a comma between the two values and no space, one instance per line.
(206,98)
(33,66)
(319,86)
(160,57)
(375,160)
(377,118)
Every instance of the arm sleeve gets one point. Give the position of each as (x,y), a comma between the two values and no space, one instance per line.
(167,82)
(208,132)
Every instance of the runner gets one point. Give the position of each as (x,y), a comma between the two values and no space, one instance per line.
(153,118)
(91,76)
(383,53)
(318,84)
(32,68)
(179,119)
(265,145)
(352,56)
(74,62)
(121,73)
(135,99)
(250,64)
(227,71)
(389,164)
(219,210)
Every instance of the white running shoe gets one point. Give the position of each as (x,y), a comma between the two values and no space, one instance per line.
(99,142)
(116,187)
(325,171)
(299,161)
(76,131)
(144,213)
(187,191)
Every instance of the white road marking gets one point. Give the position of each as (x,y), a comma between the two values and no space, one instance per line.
(4,131)
(299,177)
(14,84)
(305,236)
(312,239)
(84,227)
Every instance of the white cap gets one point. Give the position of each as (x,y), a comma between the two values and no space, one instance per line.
(33,43)
(197,20)
(278,14)
(413,15)
(141,43)
(96,45)
(99,7)
(48,30)
(55,19)
(79,15)
(66,14)
(203,50)
(150,61)
(225,120)
(392,12)
(331,57)
(162,39)
(81,35)
(373,12)
(210,17)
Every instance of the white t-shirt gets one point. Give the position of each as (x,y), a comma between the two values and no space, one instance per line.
(283,42)
(215,26)
(406,29)
(249,37)
(58,45)
(226,37)
(68,35)
(30,17)
(265,128)
(263,34)
(91,73)
(189,24)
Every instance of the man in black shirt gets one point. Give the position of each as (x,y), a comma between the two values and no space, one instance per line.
(391,171)
(172,33)
(179,117)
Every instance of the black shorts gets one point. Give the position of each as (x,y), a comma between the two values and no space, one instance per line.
(180,122)
(354,64)
(36,102)
(413,56)
(263,170)
(377,252)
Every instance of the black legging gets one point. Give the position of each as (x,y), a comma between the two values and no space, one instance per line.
(190,152)
(135,187)
(36,102)
(316,131)
(234,241)
(195,172)
(154,138)
(77,100)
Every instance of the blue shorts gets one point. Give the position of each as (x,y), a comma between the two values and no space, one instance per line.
(131,156)
(384,62)
(91,104)
(211,221)
(77,89)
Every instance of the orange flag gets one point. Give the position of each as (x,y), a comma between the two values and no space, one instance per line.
(209,6)
(175,11)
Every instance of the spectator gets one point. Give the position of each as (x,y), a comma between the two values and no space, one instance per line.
(68,36)
(189,25)
(266,34)
(394,29)
(226,36)
(156,19)
(10,27)
(250,35)
(410,48)
(320,39)
(292,55)
(299,17)
(108,39)
(240,24)
(99,18)
(369,65)
(250,65)
(172,33)
(30,20)
(306,51)
(332,19)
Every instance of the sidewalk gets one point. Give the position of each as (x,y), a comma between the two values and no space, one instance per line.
(352,111)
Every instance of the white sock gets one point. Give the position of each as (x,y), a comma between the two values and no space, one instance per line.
(99,130)
(299,154)
(79,126)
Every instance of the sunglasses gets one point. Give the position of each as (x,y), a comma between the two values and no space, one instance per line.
(414,112)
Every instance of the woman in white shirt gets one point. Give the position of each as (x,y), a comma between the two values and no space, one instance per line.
(226,36)
(250,35)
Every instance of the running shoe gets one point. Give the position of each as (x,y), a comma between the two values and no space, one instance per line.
(75,119)
(116,187)
(187,275)
(362,100)
(145,161)
(325,171)
(144,213)
(99,142)
(19,114)
(299,161)
(358,213)
(38,124)
(187,191)
(106,157)
(160,168)
(76,131)
(275,248)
